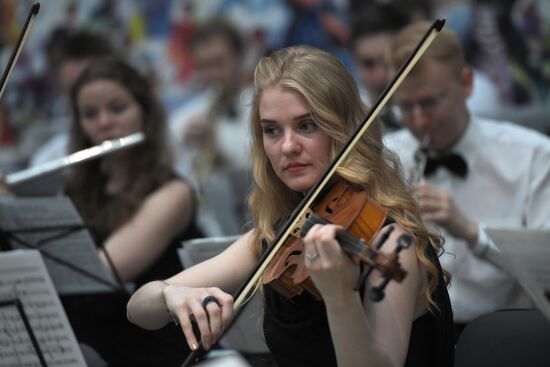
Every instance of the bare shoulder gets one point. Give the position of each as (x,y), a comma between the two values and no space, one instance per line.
(172,204)
(176,187)
(173,193)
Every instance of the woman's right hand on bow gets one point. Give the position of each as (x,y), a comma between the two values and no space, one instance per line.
(186,304)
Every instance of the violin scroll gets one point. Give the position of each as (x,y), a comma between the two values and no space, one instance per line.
(376,294)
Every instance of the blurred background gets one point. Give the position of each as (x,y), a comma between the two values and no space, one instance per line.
(508,41)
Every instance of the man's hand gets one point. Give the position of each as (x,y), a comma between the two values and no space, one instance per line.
(197,131)
(439,207)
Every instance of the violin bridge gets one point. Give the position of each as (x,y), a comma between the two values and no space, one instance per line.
(301,221)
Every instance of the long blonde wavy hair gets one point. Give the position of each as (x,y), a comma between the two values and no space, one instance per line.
(334,102)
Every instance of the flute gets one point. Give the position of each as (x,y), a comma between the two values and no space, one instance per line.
(107,147)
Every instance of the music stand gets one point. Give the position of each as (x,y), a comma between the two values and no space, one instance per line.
(246,335)
(52,226)
(44,185)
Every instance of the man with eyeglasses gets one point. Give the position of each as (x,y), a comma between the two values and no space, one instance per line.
(465,180)
(372,31)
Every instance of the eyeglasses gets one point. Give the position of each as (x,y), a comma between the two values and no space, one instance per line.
(371,62)
(425,104)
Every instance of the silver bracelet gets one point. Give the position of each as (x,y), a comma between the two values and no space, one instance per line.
(173,317)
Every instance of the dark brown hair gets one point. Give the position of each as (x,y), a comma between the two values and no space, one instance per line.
(69,44)
(218,28)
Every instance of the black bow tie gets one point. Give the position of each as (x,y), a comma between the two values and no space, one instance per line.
(453,162)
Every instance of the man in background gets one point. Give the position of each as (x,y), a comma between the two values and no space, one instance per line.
(69,53)
(466,181)
(372,32)
(210,131)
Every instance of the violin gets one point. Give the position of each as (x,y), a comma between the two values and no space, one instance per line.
(362,219)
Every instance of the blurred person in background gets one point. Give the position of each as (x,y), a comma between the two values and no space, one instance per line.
(68,53)
(505,42)
(318,23)
(371,36)
(496,47)
(210,131)
(136,208)
(467,183)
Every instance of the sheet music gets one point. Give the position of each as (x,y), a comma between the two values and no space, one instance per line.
(24,276)
(76,247)
(526,255)
(224,358)
(16,348)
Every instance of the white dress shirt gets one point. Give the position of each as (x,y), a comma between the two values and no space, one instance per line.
(508,185)
(231,135)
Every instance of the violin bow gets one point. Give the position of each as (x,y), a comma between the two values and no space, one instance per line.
(248,288)
(18,46)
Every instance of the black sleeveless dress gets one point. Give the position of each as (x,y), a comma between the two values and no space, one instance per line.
(297,331)
(99,320)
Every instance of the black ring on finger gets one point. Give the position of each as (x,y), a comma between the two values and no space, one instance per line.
(209,299)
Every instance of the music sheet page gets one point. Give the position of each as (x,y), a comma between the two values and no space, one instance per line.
(23,276)
(526,254)
(73,246)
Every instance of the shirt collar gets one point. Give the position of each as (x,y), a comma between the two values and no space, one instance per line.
(469,143)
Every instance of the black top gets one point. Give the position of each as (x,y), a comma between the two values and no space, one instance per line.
(99,320)
(297,330)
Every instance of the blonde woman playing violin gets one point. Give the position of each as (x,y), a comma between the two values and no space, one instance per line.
(306,104)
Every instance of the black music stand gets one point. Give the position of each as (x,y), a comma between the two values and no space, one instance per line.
(44,185)
(52,226)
